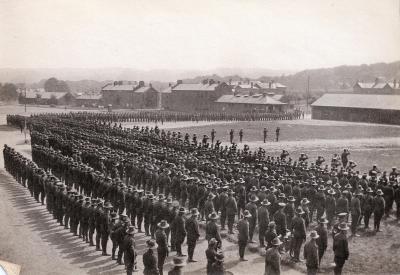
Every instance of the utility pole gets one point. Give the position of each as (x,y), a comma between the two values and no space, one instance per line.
(25,100)
(308,93)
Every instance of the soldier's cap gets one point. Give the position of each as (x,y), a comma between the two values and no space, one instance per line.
(291,199)
(299,210)
(231,192)
(213,216)
(246,214)
(282,195)
(265,202)
(168,201)
(314,235)
(253,198)
(253,189)
(151,244)
(182,210)
(379,192)
(113,214)
(161,197)
(163,224)
(150,196)
(281,204)
(342,214)
(305,201)
(276,242)
(178,261)
(108,205)
(87,199)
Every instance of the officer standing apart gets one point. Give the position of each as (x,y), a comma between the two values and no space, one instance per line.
(192,231)
(340,248)
(243,231)
(273,258)
(311,254)
(265,134)
(277,132)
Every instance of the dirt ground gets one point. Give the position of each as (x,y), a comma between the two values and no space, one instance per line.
(31,238)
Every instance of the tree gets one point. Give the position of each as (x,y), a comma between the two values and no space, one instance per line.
(53,85)
(53,100)
(8,92)
(68,98)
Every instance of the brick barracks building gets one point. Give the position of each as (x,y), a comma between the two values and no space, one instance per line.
(130,94)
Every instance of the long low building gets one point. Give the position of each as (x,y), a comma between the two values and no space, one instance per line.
(249,103)
(358,107)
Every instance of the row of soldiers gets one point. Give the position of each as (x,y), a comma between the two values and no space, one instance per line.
(72,208)
(87,217)
(164,116)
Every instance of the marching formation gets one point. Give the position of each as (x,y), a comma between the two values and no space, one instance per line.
(103,180)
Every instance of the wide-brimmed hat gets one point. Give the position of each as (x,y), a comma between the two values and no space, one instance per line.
(265,202)
(246,214)
(331,192)
(253,198)
(151,243)
(178,261)
(343,226)
(369,190)
(211,196)
(342,214)
(253,189)
(291,199)
(305,201)
(163,224)
(379,192)
(281,204)
(314,235)
(182,210)
(108,205)
(276,242)
(213,216)
(299,210)
(194,211)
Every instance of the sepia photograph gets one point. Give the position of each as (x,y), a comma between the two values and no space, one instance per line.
(215,137)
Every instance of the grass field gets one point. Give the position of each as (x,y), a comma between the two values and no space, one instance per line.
(368,144)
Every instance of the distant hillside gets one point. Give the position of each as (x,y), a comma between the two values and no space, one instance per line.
(326,79)
(342,77)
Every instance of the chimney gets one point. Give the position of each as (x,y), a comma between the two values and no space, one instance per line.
(141,83)
(179,81)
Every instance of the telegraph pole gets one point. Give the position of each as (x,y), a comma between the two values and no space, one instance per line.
(308,93)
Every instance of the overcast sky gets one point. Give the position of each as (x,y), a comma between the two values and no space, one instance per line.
(204,34)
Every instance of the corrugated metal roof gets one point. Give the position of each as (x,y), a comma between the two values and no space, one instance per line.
(385,102)
(247,99)
(195,87)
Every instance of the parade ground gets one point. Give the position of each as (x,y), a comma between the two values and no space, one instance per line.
(32,239)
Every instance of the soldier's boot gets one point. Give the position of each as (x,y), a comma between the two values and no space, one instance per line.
(120,253)
(113,253)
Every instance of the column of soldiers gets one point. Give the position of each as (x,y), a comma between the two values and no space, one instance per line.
(284,184)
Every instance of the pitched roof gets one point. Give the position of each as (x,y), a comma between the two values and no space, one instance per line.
(42,95)
(247,99)
(274,85)
(362,101)
(167,90)
(143,89)
(195,87)
(89,97)
(122,87)
(277,97)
